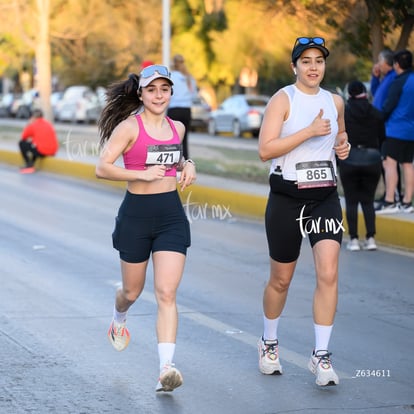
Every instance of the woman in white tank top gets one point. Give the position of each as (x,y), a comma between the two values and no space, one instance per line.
(303,131)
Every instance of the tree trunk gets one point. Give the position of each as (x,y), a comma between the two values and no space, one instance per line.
(406,30)
(43,58)
(374,20)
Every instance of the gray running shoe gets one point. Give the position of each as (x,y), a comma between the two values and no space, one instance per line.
(269,363)
(320,364)
(369,244)
(353,245)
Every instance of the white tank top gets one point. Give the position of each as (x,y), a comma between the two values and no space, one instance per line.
(303,110)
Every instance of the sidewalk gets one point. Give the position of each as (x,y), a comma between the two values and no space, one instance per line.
(215,196)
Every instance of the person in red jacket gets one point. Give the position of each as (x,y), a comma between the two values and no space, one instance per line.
(38,140)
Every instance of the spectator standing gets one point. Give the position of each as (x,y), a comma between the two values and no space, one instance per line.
(361,171)
(382,76)
(303,129)
(185,89)
(151,220)
(398,111)
(38,139)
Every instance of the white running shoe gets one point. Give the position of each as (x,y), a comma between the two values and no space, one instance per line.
(320,364)
(170,379)
(118,335)
(353,245)
(407,207)
(370,244)
(269,363)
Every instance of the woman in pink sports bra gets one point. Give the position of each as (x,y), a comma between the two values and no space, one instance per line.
(151,219)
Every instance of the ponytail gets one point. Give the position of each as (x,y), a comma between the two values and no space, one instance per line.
(121,101)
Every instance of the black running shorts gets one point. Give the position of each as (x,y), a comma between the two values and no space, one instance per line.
(293,214)
(399,150)
(149,223)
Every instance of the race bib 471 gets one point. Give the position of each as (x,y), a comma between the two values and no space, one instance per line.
(163,154)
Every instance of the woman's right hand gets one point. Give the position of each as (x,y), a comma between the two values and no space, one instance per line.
(155,172)
(376,70)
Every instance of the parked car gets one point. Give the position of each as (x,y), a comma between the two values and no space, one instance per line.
(93,113)
(55,98)
(78,104)
(200,113)
(238,114)
(6,101)
(23,105)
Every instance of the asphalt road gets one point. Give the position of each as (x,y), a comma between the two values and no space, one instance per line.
(58,276)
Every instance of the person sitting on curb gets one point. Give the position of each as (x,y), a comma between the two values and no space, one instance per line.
(38,140)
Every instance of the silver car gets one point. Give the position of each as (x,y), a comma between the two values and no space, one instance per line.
(78,104)
(238,114)
(200,113)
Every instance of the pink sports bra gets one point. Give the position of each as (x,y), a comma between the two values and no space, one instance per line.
(148,151)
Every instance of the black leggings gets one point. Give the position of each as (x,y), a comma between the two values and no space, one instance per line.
(359,184)
(292,214)
(29,153)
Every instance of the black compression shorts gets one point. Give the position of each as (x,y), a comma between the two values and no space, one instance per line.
(293,214)
(150,223)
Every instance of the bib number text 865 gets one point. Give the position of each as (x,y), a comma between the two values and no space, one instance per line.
(312,175)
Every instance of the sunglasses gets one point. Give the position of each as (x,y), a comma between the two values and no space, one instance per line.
(310,40)
(153,69)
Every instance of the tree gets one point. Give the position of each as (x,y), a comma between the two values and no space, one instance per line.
(98,42)
(356,30)
(367,26)
(91,41)
(32,38)
(95,42)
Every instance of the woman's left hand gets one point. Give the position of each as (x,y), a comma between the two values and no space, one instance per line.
(343,148)
(188,175)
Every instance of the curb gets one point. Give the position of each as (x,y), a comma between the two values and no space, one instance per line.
(200,201)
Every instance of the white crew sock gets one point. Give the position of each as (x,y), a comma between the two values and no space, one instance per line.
(166,352)
(322,336)
(270,328)
(119,317)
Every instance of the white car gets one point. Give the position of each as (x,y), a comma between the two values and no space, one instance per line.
(23,106)
(77,104)
(238,114)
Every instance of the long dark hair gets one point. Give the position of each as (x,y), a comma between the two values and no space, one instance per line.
(121,101)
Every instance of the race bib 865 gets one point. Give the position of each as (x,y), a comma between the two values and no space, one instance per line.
(314,174)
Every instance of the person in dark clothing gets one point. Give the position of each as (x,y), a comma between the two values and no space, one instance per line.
(185,89)
(361,171)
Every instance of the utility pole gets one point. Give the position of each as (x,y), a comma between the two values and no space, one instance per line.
(166,32)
